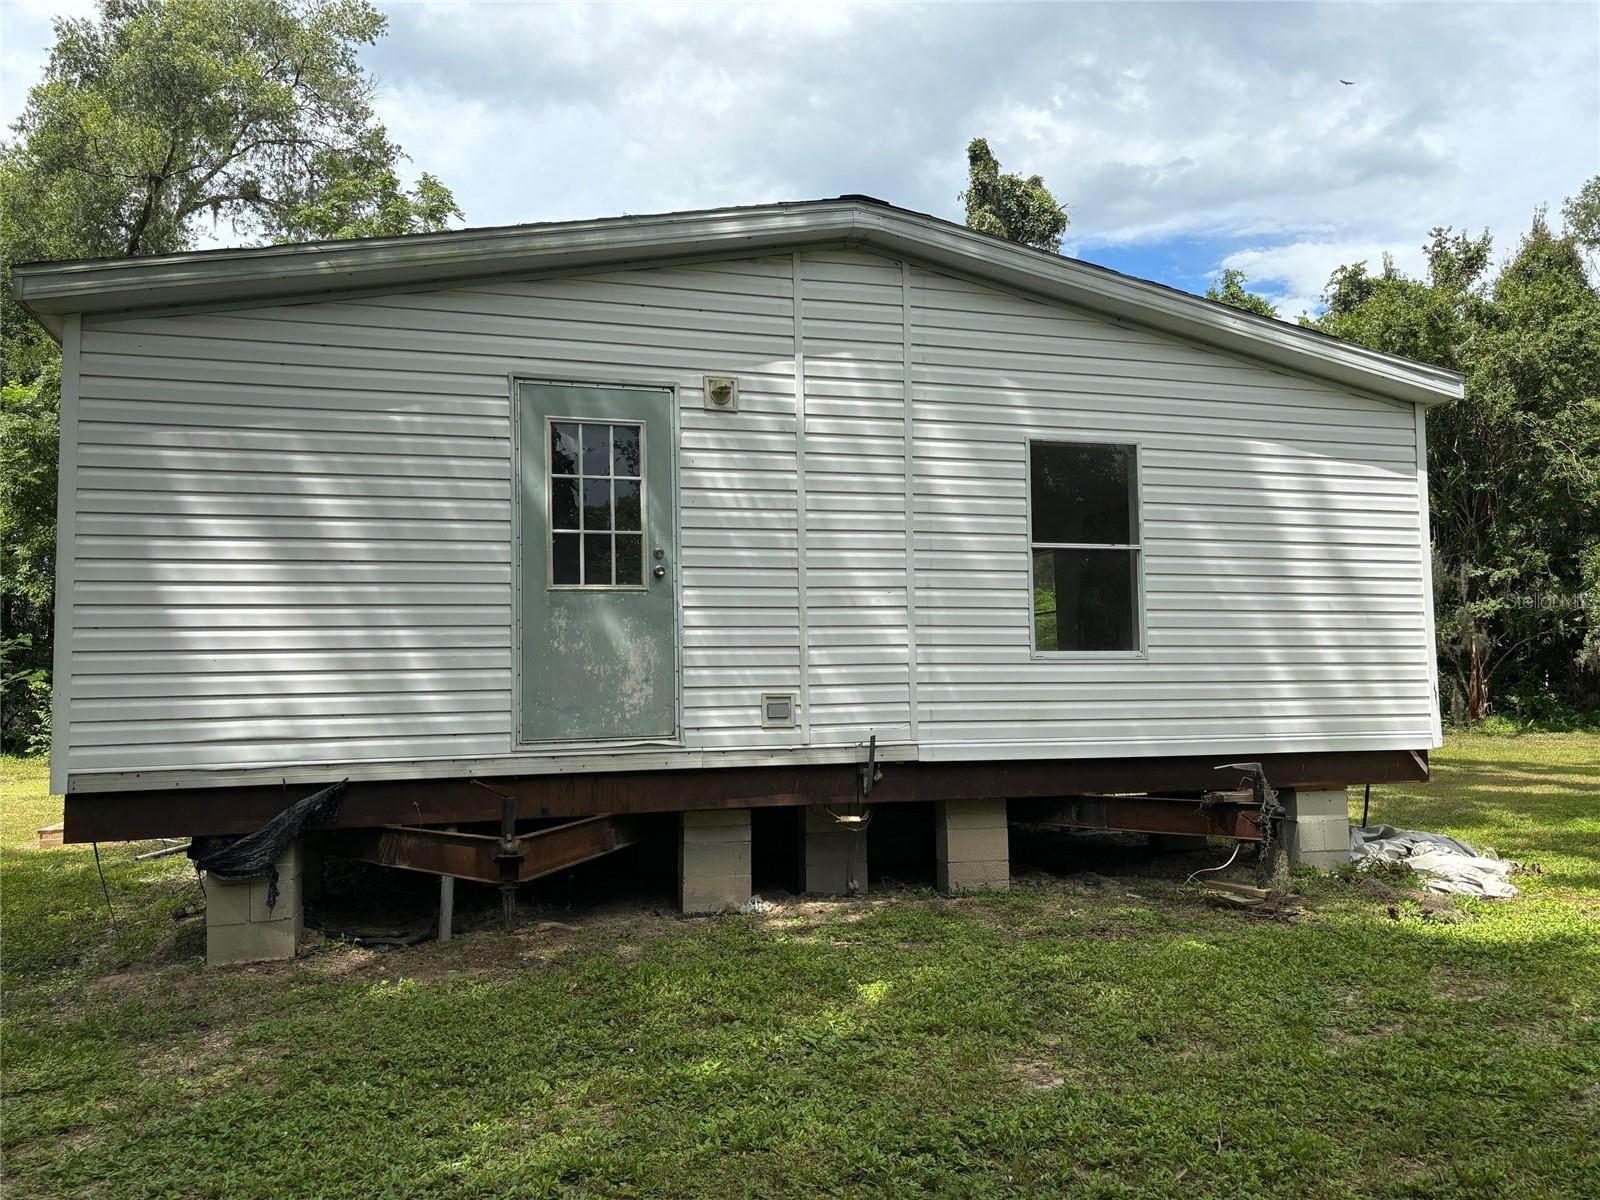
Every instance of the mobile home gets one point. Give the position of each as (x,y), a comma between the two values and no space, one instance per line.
(802,505)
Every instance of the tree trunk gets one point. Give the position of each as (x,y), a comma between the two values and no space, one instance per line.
(1477,679)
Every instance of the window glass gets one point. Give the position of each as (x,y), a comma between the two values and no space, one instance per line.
(1084,600)
(1082,493)
(596,490)
(597,504)
(564,559)
(627,503)
(630,560)
(625,449)
(564,504)
(563,448)
(597,449)
(597,559)
(1084,517)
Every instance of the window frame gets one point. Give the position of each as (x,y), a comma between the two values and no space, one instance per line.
(1140,652)
(550,422)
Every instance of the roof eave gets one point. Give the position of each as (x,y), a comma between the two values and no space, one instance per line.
(308,269)
(1151,305)
(282,272)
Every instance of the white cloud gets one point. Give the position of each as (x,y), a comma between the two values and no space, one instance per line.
(25,38)
(1152,122)
(1293,274)
(1221,125)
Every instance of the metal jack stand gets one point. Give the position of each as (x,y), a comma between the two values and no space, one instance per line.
(509,857)
(1272,863)
(507,854)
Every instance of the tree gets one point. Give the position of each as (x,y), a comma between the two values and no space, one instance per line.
(1582,216)
(1230,290)
(251,112)
(1009,206)
(28,427)
(154,121)
(1514,467)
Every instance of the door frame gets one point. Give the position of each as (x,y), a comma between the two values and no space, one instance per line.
(674,499)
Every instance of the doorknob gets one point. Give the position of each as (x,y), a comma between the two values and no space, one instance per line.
(660,572)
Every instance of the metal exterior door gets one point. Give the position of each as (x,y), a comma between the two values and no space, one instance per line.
(598,644)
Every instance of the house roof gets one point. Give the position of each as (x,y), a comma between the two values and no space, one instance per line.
(309,270)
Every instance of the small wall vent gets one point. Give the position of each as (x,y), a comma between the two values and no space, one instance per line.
(777,710)
(721,393)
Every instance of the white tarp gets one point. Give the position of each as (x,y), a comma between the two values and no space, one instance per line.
(1444,864)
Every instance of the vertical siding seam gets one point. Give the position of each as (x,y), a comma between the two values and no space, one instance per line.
(518,440)
(910,496)
(1425,545)
(66,553)
(801,599)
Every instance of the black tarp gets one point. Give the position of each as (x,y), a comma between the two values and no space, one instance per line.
(255,855)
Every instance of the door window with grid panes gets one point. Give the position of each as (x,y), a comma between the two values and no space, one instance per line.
(597,504)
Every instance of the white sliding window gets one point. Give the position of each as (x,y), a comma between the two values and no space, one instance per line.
(1083,515)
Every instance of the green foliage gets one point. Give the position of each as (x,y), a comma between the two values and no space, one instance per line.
(336,203)
(1582,215)
(28,434)
(28,429)
(1514,468)
(153,121)
(1009,206)
(1078,1036)
(256,113)
(1230,290)
(25,689)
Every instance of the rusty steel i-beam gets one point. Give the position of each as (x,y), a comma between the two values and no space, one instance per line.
(484,857)
(1233,817)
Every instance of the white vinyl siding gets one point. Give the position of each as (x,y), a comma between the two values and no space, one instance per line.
(292,538)
(859,658)
(1280,533)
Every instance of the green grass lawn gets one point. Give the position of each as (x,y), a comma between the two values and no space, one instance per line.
(1083,1036)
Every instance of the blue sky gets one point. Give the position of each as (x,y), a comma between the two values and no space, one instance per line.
(1190,263)
(1183,137)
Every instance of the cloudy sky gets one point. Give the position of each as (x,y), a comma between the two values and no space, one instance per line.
(1183,137)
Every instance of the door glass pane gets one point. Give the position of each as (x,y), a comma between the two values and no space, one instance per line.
(1082,493)
(597,449)
(630,559)
(597,559)
(625,439)
(564,559)
(627,503)
(564,504)
(1083,600)
(563,448)
(597,504)
(596,485)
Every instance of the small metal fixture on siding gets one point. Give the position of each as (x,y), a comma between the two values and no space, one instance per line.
(777,710)
(722,393)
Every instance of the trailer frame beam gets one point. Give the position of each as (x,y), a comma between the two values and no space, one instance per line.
(485,858)
(1231,818)
(207,811)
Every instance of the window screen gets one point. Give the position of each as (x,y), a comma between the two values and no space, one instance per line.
(596,504)
(1084,514)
